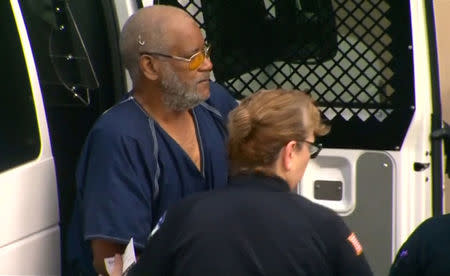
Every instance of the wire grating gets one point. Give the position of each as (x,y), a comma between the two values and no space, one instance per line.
(358,80)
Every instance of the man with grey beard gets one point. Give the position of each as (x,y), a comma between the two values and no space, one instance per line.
(162,143)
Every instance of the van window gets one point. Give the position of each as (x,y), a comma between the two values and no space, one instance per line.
(353,56)
(19,134)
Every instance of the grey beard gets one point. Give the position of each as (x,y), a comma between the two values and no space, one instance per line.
(179,96)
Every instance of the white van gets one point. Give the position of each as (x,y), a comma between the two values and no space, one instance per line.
(371,65)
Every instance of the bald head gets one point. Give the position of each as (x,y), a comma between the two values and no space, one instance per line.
(147,30)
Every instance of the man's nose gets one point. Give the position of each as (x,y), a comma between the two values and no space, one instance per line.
(206,65)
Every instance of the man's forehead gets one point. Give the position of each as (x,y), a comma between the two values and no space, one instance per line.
(188,36)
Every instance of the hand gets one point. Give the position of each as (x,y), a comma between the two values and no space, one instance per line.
(118,265)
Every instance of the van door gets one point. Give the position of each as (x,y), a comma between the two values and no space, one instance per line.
(367,65)
(30,235)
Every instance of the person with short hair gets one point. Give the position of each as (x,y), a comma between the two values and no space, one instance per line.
(258,225)
(165,141)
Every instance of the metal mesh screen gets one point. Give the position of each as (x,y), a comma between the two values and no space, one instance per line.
(358,69)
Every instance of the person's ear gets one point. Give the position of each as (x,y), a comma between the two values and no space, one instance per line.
(149,67)
(288,155)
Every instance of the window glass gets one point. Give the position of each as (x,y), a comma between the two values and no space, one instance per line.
(19,135)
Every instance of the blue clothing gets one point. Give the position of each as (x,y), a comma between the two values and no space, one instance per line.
(426,251)
(130,170)
(254,226)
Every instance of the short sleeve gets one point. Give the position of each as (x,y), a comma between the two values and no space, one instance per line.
(115,194)
(344,248)
(221,99)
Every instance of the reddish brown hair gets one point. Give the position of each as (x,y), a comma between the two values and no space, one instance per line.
(265,122)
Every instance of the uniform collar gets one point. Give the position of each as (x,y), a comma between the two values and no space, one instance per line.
(259,181)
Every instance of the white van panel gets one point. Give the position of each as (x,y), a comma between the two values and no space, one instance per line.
(124,9)
(37,254)
(413,196)
(30,235)
(29,200)
(337,165)
(333,165)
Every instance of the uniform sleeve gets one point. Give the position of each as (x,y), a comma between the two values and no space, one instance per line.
(345,250)
(116,197)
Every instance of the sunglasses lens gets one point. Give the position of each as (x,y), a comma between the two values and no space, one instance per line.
(196,61)
(315,150)
(198,58)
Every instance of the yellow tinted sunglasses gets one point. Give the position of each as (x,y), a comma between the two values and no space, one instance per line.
(194,61)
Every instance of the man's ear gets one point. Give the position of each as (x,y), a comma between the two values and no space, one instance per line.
(148,67)
(288,154)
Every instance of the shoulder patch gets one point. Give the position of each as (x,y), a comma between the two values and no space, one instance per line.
(353,240)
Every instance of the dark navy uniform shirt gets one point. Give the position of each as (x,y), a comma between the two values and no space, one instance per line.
(130,171)
(427,250)
(255,226)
